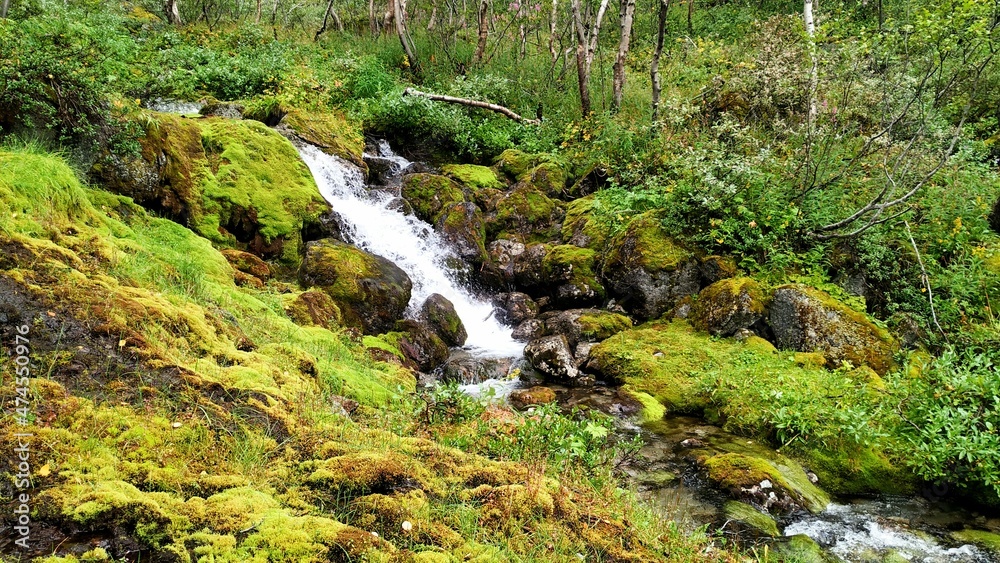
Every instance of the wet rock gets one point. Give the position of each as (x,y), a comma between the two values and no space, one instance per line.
(750,519)
(330,131)
(382,171)
(524,398)
(727,306)
(716,268)
(430,194)
(228,110)
(692,443)
(421,345)
(586,325)
(552,357)
(570,270)
(461,225)
(810,320)
(438,312)
(370,291)
(464,368)
(518,264)
(801,547)
(524,213)
(314,308)
(514,308)
(529,330)
(648,270)
(582,353)
(788,488)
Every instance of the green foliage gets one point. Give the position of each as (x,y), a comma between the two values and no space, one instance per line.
(953,416)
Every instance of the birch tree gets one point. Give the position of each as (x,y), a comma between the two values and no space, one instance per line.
(627,16)
(654,67)
(586,46)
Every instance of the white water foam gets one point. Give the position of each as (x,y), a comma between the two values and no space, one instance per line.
(852,531)
(376,226)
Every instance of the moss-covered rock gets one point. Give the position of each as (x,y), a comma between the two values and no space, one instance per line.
(550,178)
(514,308)
(755,479)
(330,131)
(586,325)
(422,344)
(440,314)
(462,225)
(473,177)
(570,271)
(581,228)
(800,548)
(524,398)
(810,320)
(757,522)
(370,291)
(525,214)
(729,305)
(517,264)
(990,541)
(429,194)
(314,308)
(647,269)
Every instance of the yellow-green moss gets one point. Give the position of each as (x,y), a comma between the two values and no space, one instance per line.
(331,131)
(581,228)
(473,176)
(735,471)
(570,264)
(645,244)
(652,410)
(750,516)
(428,194)
(987,540)
(602,326)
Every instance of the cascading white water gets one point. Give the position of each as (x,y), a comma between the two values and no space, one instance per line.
(373,223)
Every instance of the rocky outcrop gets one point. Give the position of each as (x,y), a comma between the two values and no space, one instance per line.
(810,320)
(648,270)
(370,291)
(421,345)
(430,194)
(570,271)
(517,264)
(551,356)
(728,305)
(585,325)
(525,214)
(439,313)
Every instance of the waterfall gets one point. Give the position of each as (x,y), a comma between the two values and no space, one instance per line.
(372,221)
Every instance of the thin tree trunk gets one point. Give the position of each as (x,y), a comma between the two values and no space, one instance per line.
(4,8)
(173,13)
(433,18)
(552,32)
(257,15)
(404,37)
(618,85)
(372,20)
(524,41)
(484,8)
(390,14)
(326,18)
(807,15)
(585,49)
(654,67)
(690,17)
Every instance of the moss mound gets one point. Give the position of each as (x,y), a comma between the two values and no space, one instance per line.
(729,305)
(473,176)
(329,131)
(429,194)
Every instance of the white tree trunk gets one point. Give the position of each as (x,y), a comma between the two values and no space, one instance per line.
(807,15)
(627,15)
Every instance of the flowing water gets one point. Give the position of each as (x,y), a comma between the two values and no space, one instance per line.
(373,221)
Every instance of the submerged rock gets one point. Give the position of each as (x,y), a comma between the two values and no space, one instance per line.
(370,291)
(727,306)
(440,314)
(552,357)
(648,270)
(466,369)
(756,522)
(810,320)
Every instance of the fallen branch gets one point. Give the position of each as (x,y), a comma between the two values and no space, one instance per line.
(473,103)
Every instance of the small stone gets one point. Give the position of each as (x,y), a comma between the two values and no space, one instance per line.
(692,443)
(407,526)
(176,425)
(765,484)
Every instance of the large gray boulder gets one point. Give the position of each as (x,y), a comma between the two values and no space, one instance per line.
(551,356)
(439,313)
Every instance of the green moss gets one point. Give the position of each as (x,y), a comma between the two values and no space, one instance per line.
(575,266)
(473,176)
(728,305)
(549,178)
(645,244)
(429,194)
(600,327)
(581,228)
(523,211)
(750,516)
(737,471)
(987,540)
(652,410)
(800,548)
(330,131)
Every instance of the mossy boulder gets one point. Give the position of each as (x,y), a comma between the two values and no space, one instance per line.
(569,270)
(517,264)
(438,312)
(550,178)
(586,325)
(421,344)
(370,291)
(237,183)
(729,305)
(430,194)
(647,269)
(758,480)
(473,176)
(800,548)
(525,214)
(990,541)
(758,523)
(461,224)
(514,163)
(810,320)
(330,131)
(580,226)
(314,308)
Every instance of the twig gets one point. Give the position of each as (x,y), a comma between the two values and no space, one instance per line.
(473,103)
(927,281)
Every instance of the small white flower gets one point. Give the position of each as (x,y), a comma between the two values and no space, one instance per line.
(407,526)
